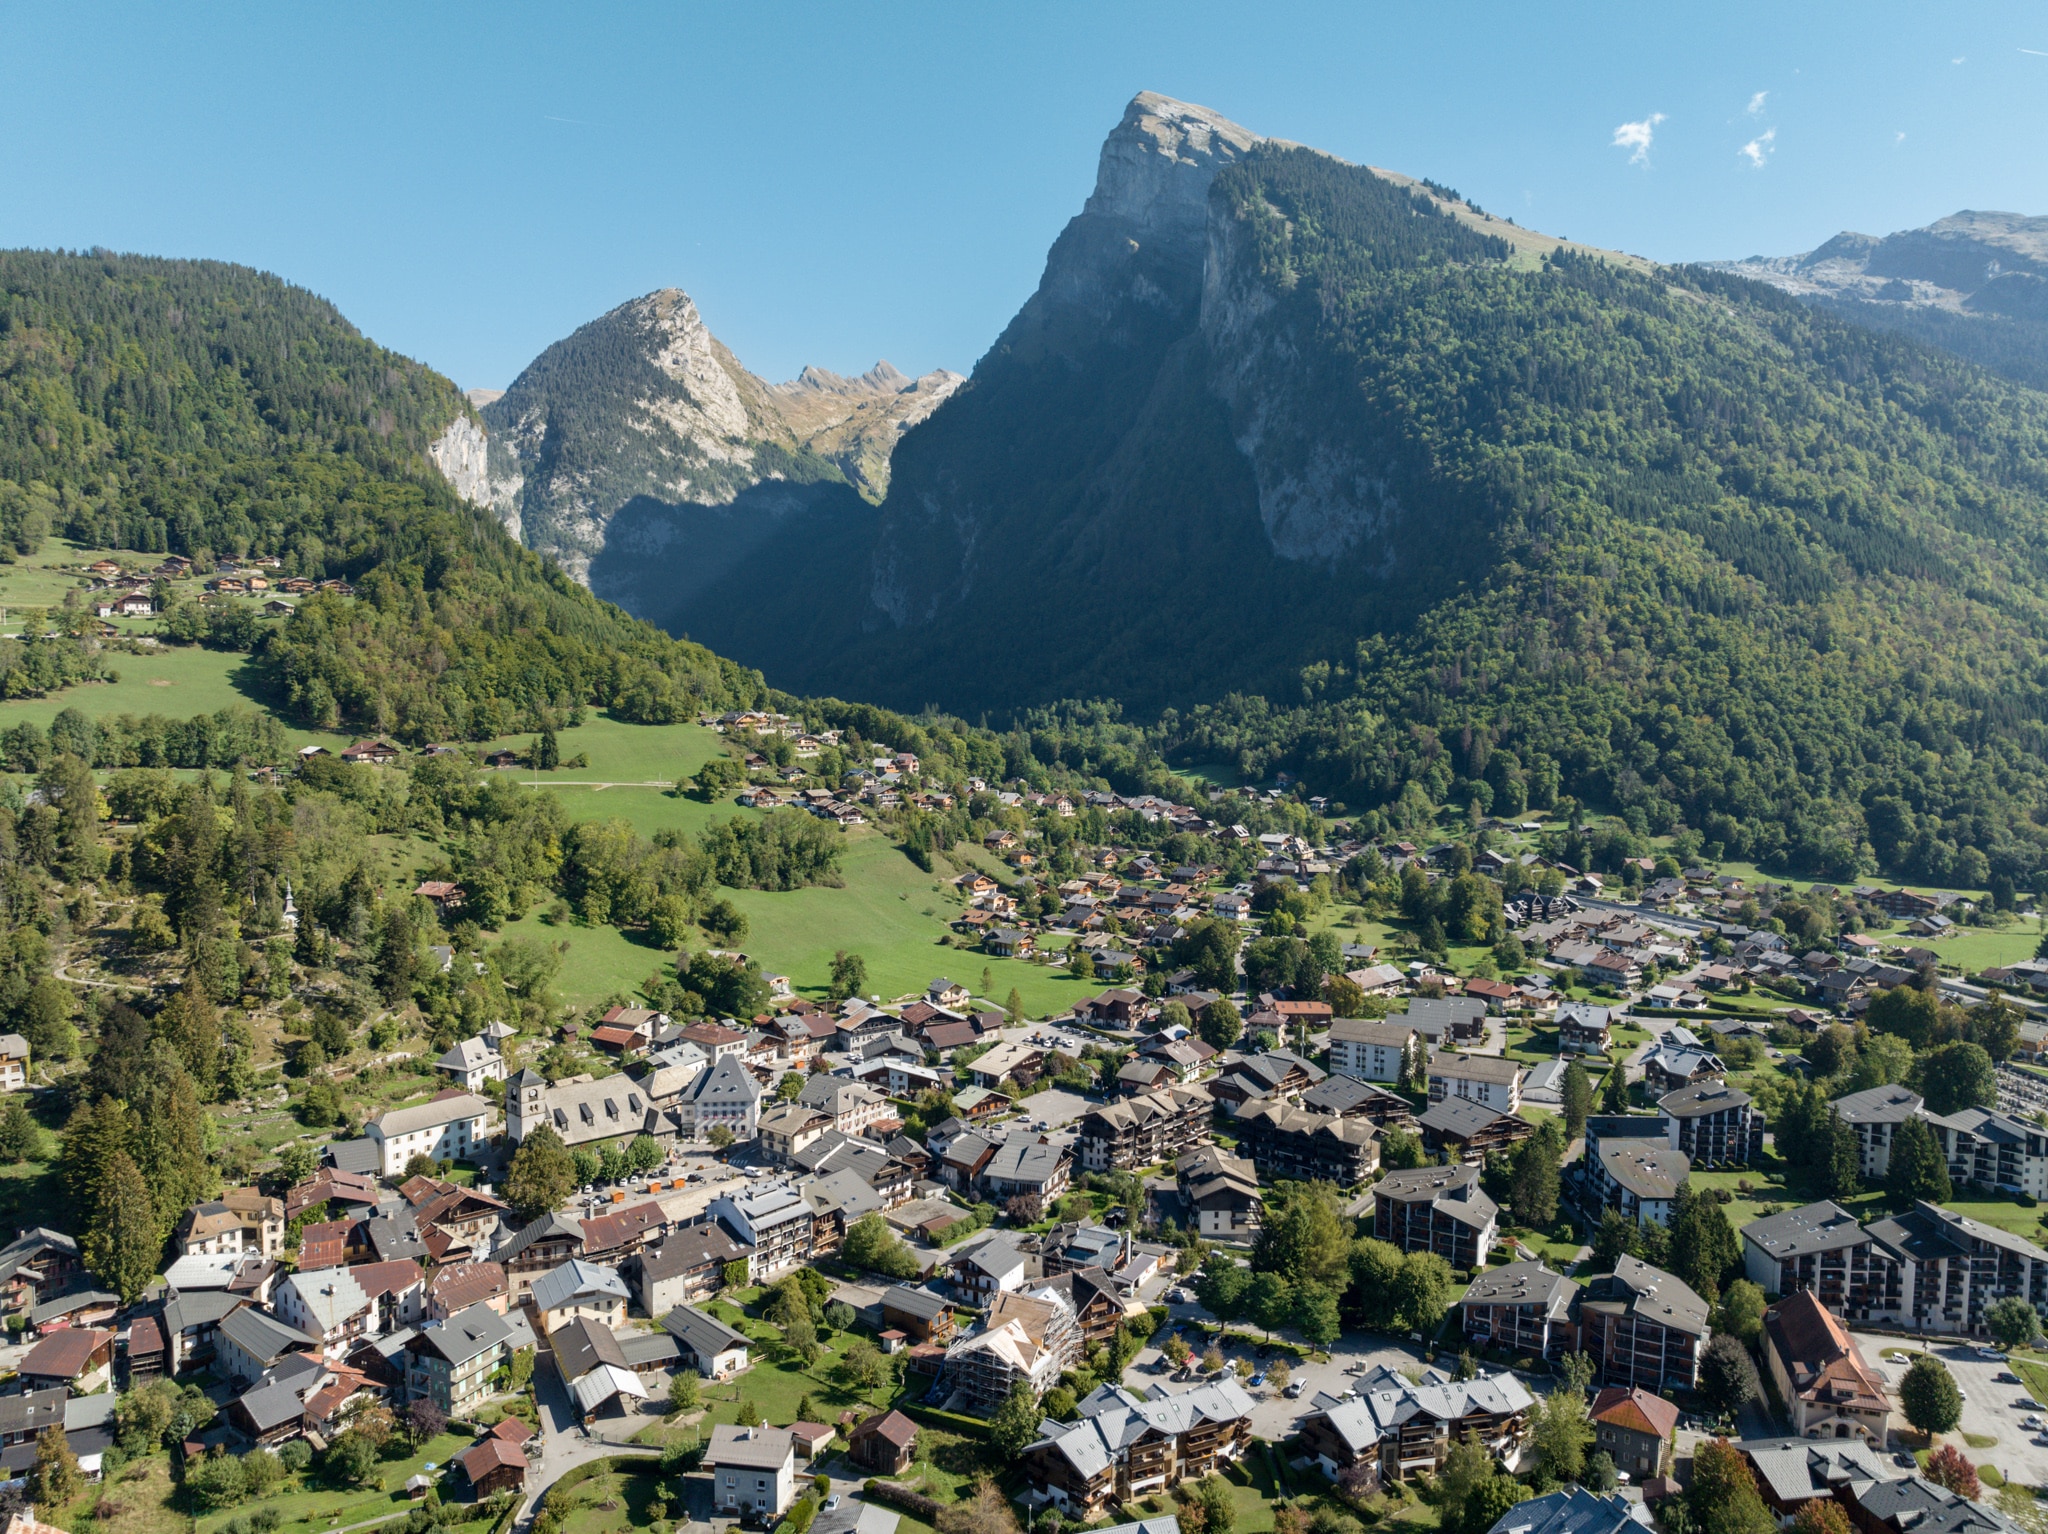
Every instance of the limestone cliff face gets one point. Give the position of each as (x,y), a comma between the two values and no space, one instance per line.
(643,401)
(646,405)
(462,454)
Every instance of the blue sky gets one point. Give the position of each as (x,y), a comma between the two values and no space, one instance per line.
(837,183)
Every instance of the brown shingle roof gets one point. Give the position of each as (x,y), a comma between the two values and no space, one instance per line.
(65,1354)
(893,1425)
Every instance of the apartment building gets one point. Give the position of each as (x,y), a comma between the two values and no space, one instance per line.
(1489,1080)
(1367,1050)
(1123,1447)
(1143,1130)
(1300,1144)
(1439,1209)
(1642,1326)
(1523,1307)
(1714,1124)
(775,1220)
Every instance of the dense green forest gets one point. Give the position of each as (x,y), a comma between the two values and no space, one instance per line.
(200,408)
(1668,542)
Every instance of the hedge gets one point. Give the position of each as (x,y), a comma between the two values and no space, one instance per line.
(902,1496)
(632,1464)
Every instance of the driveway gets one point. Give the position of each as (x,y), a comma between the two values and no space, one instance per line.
(1991,1408)
(560,1445)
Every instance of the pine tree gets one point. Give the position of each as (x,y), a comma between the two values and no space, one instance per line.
(124,1241)
(547,752)
(1836,1162)
(1578,1098)
(1916,1169)
(1614,1098)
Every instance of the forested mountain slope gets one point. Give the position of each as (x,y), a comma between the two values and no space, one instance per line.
(199,408)
(1284,457)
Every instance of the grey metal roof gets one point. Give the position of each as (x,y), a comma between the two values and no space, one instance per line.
(464,1335)
(1574,1511)
(577,1280)
(1522,1283)
(1822,1227)
(1700,1099)
(261,1336)
(1636,1289)
(700,1336)
(1647,1170)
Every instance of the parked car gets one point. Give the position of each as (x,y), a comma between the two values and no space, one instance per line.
(1294,1391)
(832,1502)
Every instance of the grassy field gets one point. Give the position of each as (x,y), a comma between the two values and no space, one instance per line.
(623,753)
(1978,948)
(137,1502)
(305,1510)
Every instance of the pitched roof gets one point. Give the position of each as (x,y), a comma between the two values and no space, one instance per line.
(430,1115)
(701,1335)
(1638,1410)
(64,1354)
(749,1448)
(1645,1293)
(576,1281)
(1574,1511)
(1820,1357)
(1700,1099)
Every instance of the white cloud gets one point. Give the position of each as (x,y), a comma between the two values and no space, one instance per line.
(1756,103)
(1899,137)
(2036,52)
(1635,138)
(1760,148)
(1959,58)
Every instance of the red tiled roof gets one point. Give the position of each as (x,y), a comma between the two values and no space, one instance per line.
(466,1284)
(324,1246)
(378,1278)
(616,1229)
(512,1430)
(1637,1410)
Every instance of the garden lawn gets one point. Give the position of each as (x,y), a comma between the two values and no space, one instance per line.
(1253,1492)
(144,1503)
(632,1492)
(305,1511)
(776,1385)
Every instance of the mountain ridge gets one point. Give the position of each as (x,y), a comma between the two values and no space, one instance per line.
(1347,477)
(1974,283)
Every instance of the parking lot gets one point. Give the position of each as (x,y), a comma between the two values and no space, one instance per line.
(1992,1407)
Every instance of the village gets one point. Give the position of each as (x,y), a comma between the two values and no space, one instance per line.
(1052,1233)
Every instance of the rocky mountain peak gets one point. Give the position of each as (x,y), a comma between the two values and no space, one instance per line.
(1158,162)
(883,378)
